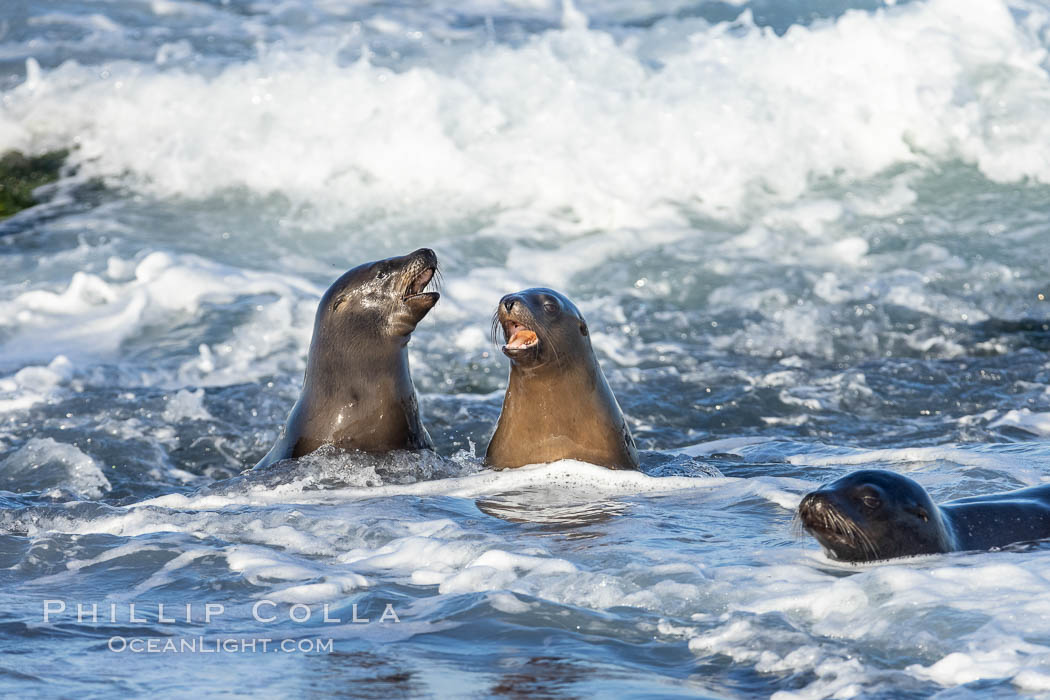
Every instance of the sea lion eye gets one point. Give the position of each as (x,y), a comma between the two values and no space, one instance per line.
(381,274)
(583,329)
(550,307)
(871,502)
(338,302)
(920,513)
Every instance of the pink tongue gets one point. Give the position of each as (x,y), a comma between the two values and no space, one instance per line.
(521,339)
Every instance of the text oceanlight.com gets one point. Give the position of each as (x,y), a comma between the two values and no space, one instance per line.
(222,645)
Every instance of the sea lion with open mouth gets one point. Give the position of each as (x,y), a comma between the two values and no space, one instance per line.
(874,514)
(357,393)
(558,404)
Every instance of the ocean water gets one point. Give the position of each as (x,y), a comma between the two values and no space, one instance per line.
(808,236)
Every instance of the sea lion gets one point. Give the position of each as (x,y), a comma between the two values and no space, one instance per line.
(558,404)
(357,393)
(875,514)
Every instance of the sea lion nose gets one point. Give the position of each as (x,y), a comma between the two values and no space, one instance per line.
(508,303)
(812,504)
(427,254)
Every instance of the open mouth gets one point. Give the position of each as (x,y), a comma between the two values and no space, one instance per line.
(519,337)
(417,287)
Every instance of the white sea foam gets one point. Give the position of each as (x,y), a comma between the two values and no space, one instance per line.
(788,192)
(901,605)
(937,609)
(572,119)
(33,384)
(1033,422)
(43,463)
(186,405)
(567,476)
(916,456)
(93,316)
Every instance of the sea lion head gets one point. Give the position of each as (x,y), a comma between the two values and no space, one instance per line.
(382,299)
(541,329)
(873,514)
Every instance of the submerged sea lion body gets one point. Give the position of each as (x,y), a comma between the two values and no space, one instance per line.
(558,404)
(875,514)
(357,393)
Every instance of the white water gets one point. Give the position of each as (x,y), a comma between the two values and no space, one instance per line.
(808,239)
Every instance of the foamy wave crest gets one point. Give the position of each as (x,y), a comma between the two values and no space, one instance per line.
(43,464)
(613,130)
(354,476)
(97,315)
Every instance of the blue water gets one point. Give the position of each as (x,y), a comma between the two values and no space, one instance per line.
(808,237)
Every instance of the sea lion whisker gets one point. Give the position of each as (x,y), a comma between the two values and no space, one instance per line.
(872,547)
(851,532)
(864,540)
(797,527)
(437,282)
(496,329)
(855,534)
(840,525)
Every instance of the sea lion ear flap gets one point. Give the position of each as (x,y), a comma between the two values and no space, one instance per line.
(583,329)
(919,512)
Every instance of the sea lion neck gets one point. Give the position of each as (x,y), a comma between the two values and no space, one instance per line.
(556,404)
(366,401)
(556,378)
(567,414)
(335,353)
(370,365)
